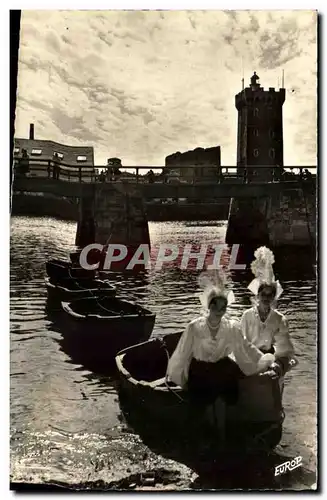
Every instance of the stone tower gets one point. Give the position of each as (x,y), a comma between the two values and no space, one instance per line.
(260,130)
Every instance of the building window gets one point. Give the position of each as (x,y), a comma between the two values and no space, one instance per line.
(255,112)
(81,158)
(272,153)
(16,151)
(256,152)
(271,133)
(36,152)
(256,132)
(59,155)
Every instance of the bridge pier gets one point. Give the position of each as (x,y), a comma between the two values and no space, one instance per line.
(113,214)
(284,218)
(85,233)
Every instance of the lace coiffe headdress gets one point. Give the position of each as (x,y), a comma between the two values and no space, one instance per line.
(213,284)
(262,268)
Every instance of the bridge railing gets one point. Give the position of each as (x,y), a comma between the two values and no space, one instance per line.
(53,169)
(179,174)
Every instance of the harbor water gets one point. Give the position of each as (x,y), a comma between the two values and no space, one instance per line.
(67,426)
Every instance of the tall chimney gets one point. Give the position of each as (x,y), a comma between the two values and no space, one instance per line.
(32,131)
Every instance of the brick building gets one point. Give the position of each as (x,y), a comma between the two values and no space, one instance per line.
(200,164)
(41,149)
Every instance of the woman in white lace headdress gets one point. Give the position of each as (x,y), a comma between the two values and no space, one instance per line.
(201,361)
(263,325)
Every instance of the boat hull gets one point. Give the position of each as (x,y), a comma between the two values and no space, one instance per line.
(95,341)
(60,269)
(66,290)
(254,423)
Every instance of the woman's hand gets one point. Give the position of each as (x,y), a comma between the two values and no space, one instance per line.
(277,368)
(270,373)
(273,372)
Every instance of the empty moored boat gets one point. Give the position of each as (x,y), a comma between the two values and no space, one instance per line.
(106,325)
(61,269)
(71,289)
(254,422)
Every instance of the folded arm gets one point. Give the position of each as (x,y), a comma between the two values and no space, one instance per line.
(284,349)
(248,357)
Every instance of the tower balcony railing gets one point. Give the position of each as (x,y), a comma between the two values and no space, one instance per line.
(177,174)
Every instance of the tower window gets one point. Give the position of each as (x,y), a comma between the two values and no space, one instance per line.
(256,132)
(16,151)
(255,111)
(272,153)
(59,155)
(272,110)
(81,158)
(256,152)
(271,133)
(36,152)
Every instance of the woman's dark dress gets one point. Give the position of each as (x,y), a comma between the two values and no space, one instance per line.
(208,381)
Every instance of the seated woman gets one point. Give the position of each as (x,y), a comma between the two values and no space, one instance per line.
(201,361)
(263,325)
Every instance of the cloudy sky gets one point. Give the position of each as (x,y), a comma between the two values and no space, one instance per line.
(141,85)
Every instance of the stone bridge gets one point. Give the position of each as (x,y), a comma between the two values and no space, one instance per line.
(200,191)
(272,213)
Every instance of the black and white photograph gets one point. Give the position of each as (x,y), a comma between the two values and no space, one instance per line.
(163,250)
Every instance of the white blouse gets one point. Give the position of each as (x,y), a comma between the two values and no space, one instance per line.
(273,332)
(197,342)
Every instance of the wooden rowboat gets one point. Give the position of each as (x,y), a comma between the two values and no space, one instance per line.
(253,423)
(71,289)
(101,327)
(61,269)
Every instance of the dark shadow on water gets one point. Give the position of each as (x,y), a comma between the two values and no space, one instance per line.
(291,263)
(295,264)
(216,469)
